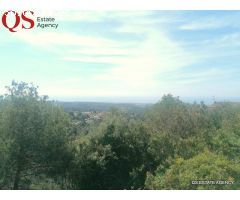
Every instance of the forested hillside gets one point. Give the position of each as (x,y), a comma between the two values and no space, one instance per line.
(170,145)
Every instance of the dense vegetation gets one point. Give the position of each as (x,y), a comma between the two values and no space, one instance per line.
(171,145)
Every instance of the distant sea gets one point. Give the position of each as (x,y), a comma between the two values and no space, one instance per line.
(145,100)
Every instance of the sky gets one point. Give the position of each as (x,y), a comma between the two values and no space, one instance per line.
(127,56)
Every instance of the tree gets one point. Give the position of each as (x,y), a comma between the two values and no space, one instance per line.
(33,132)
(114,156)
(172,146)
(206,166)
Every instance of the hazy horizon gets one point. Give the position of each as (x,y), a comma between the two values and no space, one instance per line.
(143,100)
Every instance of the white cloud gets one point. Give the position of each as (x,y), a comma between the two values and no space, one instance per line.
(212,22)
(210,74)
(135,70)
(136,65)
(203,24)
(140,72)
(49,39)
(97,16)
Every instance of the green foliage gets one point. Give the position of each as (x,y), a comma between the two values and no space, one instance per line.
(206,166)
(169,146)
(109,157)
(33,135)
(227,139)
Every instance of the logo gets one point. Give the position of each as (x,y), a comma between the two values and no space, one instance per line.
(15,21)
(12,20)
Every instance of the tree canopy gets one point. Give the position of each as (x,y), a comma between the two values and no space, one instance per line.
(171,145)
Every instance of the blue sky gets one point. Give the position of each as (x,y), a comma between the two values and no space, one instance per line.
(128,55)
